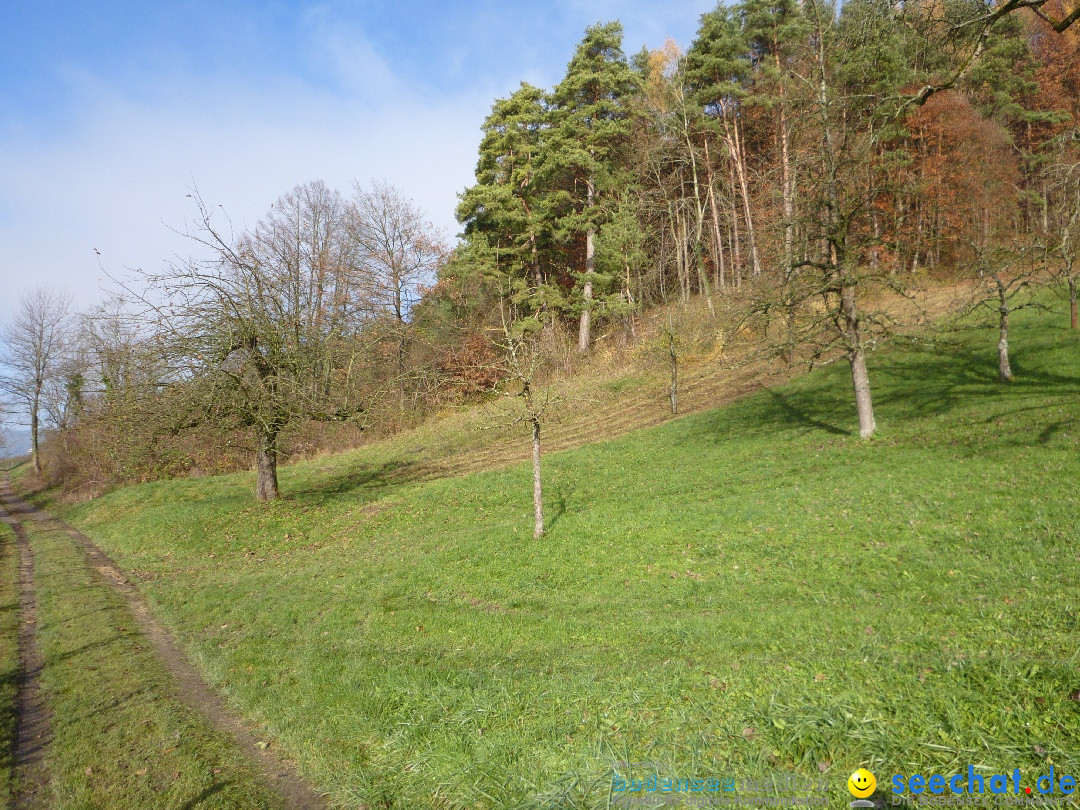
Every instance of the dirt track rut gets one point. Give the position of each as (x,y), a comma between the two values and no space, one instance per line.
(33,729)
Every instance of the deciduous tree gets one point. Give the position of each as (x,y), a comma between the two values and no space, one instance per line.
(260,328)
(394,253)
(36,340)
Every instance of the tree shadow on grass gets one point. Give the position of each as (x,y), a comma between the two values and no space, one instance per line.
(909,385)
(924,384)
(195,801)
(560,501)
(798,411)
(369,482)
(821,402)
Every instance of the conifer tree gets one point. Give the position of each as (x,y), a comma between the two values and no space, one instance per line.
(504,212)
(590,121)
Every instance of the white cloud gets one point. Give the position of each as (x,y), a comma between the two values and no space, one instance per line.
(120,176)
(115,177)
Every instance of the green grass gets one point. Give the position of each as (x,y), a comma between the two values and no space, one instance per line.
(9,656)
(120,736)
(743,592)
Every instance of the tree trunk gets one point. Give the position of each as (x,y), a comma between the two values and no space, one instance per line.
(401,368)
(787,178)
(1072,303)
(863,403)
(35,455)
(266,483)
(860,379)
(684,239)
(673,391)
(737,263)
(1004,371)
(699,227)
(585,327)
(735,146)
(717,243)
(721,280)
(630,303)
(538,495)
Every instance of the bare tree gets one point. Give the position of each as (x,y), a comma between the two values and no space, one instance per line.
(1002,274)
(1066,245)
(261,333)
(121,363)
(519,367)
(36,339)
(399,251)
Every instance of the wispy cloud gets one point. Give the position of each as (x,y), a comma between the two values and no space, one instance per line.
(120,176)
(249,106)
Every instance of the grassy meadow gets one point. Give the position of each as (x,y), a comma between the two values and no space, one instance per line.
(743,592)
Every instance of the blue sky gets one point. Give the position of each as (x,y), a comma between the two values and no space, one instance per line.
(110,111)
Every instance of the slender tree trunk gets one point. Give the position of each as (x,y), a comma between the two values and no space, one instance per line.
(684,239)
(737,263)
(1072,302)
(538,494)
(35,455)
(401,368)
(898,229)
(699,225)
(1004,370)
(266,483)
(787,175)
(718,245)
(630,303)
(673,391)
(735,145)
(875,251)
(585,327)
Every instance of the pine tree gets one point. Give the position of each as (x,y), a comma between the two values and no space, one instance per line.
(505,212)
(580,161)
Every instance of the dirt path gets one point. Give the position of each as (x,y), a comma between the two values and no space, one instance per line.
(280,774)
(32,728)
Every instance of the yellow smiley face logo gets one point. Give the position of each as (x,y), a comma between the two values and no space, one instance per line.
(861,783)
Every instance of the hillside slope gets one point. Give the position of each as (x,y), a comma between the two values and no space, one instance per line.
(744,592)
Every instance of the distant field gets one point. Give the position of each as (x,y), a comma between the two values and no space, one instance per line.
(745,592)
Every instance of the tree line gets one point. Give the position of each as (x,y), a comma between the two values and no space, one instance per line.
(306,317)
(797,167)
(802,157)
